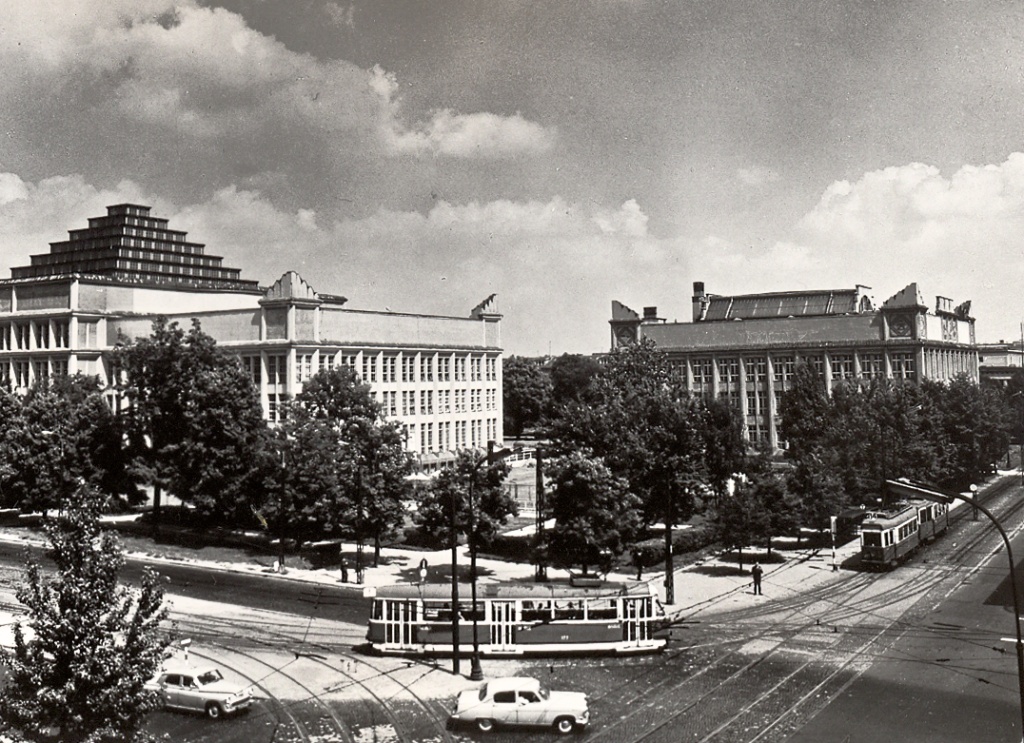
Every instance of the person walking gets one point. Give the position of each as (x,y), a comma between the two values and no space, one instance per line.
(756,572)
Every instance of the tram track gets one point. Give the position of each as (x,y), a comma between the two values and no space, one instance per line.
(861,632)
(239,633)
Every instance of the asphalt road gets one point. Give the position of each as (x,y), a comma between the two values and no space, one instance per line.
(949,674)
(912,655)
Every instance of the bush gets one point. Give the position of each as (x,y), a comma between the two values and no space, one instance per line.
(651,552)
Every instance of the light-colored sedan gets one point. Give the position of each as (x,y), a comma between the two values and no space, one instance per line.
(520,700)
(200,689)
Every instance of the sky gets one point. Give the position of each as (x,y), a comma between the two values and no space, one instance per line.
(420,156)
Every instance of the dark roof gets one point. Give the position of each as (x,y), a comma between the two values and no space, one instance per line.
(783,304)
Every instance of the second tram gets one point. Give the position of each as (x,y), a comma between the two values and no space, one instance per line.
(888,537)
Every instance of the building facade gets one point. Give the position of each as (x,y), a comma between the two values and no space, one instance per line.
(745,348)
(439,376)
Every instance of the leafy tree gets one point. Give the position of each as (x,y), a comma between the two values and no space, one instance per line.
(742,519)
(474,489)
(596,517)
(527,393)
(769,488)
(96,642)
(804,412)
(820,491)
(373,463)
(645,426)
(303,497)
(1015,400)
(724,447)
(572,376)
(60,434)
(194,420)
(974,425)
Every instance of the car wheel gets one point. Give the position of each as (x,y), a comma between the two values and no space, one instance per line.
(485,725)
(565,725)
(214,711)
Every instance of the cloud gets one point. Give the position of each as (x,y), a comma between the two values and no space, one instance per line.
(191,98)
(476,135)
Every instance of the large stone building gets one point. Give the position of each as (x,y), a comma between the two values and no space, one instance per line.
(439,376)
(744,348)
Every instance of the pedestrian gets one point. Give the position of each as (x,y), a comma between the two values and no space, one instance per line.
(344,570)
(755,572)
(638,561)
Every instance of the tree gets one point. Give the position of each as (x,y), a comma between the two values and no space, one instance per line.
(724,447)
(596,517)
(303,497)
(60,434)
(742,519)
(194,420)
(96,642)
(527,393)
(641,421)
(572,376)
(474,489)
(373,463)
(804,412)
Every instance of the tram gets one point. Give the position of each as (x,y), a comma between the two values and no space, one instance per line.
(888,537)
(516,619)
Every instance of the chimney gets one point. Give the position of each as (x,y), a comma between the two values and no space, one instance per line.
(651,316)
(700,301)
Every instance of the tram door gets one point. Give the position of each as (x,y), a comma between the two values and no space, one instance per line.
(503,625)
(636,619)
(399,618)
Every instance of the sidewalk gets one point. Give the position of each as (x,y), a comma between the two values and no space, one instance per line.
(714,580)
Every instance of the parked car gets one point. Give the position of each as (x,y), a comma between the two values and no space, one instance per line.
(200,689)
(520,700)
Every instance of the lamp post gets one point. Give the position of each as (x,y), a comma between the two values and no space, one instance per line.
(947,498)
(541,573)
(476,672)
(455,590)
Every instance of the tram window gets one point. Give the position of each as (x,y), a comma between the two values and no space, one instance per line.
(466,611)
(536,611)
(568,610)
(872,538)
(602,609)
(432,611)
(377,610)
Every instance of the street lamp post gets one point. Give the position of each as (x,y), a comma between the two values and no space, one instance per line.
(947,498)
(541,573)
(455,591)
(476,672)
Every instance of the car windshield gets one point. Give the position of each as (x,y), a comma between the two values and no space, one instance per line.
(543,691)
(483,692)
(209,677)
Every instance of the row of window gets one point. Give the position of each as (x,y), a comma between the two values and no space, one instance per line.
(451,435)
(475,401)
(33,334)
(376,367)
(21,374)
(841,366)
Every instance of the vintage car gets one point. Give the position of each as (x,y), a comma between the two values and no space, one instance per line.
(521,700)
(200,689)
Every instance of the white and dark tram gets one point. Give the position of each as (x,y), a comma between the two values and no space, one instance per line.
(514,619)
(888,536)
